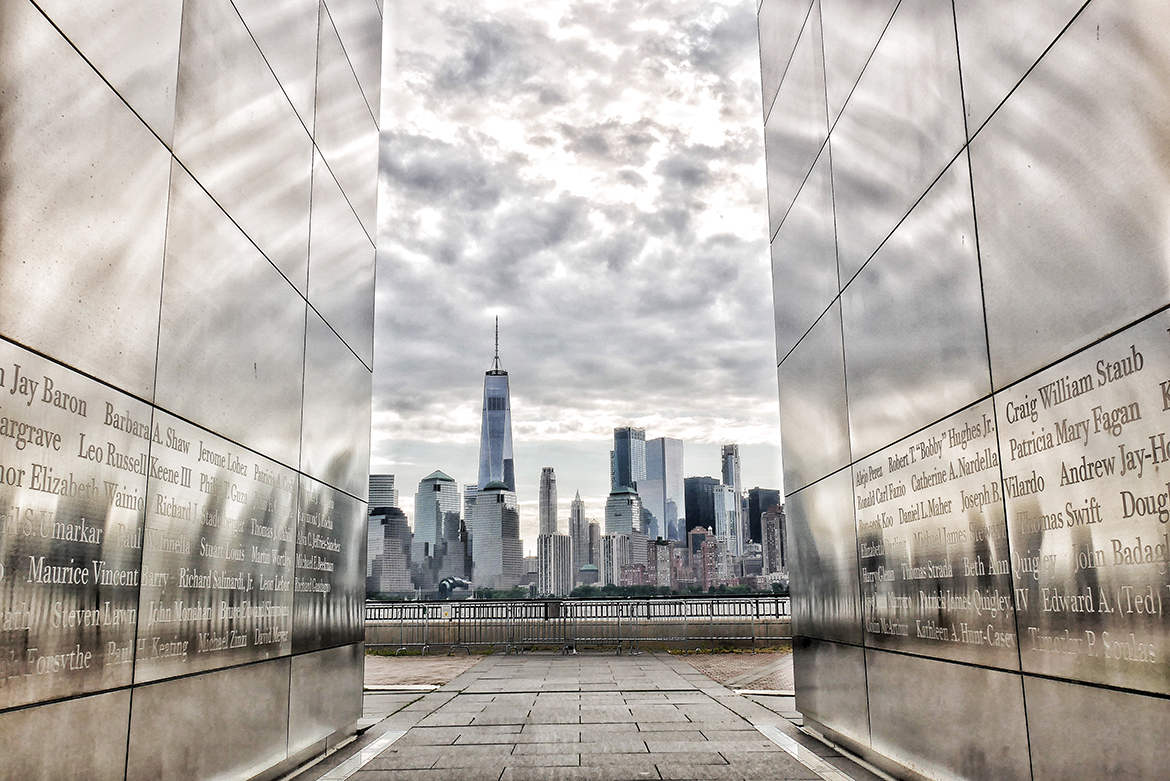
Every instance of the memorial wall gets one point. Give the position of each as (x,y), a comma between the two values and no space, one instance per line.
(187,219)
(971,264)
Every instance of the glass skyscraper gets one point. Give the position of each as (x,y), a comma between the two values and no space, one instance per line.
(662,490)
(495,437)
(628,458)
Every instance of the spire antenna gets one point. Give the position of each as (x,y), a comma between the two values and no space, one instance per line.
(496,362)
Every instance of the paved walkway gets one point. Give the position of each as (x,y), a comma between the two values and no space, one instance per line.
(592,717)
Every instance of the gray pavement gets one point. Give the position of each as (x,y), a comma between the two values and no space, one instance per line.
(593,717)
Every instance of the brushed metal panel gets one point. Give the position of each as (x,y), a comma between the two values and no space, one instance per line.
(902,126)
(779,24)
(344,127)
(936,576)
(359,25)
(83,209)
(329,605)
(1097,734)
(999,41)
(325,694)
(851,31)
(231,346)
(335,433)
(795,130)
(814,423)
(224,724)
(915,345)
(1072,189)
(73,465)
(822,540)
(238,135)
(947,720)
(804,259)
(1087,484)
(217,560)
(286,32)
(830,685)
(82,739)
(341,265)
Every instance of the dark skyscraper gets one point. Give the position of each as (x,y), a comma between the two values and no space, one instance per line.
(495,436)
(759,500)
(628,458)
(700,502)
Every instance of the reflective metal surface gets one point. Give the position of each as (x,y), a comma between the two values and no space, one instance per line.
(936,574)
(341,265)
(73,466)
(344,127)
(83,209)
(780,23)
(804,259)
(814,424)
(1072,185)
(359,25)
(223,724)
(42,744)
(286,32)
(900,129)
(851,31)
(1087,485)
(237,133)
(330,581)
(823,561)
(325,694)
(335,434)
(797,126)
(830,685)
(913,322)
(947,720)
(232,340)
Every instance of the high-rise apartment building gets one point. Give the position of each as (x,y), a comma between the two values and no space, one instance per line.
(759,500)
(775,550)
(663,492)
(729,460)
(547,502)
(594,543)
(435,501)
(382,491)
(498,553)
(727,526)
(495,435)
(555,576)
(389,555)
(628,458)
(579,532)
(614,558)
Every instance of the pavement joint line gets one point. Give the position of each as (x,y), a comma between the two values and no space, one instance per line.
(363,757)
(406,687)
(766,692)
(800,754)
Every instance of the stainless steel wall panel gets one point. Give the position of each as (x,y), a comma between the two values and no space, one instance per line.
(851,31)
(822,540)
(779,23)
(82,739)
(1072,185)
(814,423)
(325,695)
(286,32)
(947,720)
(830,685)
(1087,478)
(134,46)
(237,133)
(231,348)
(224,724)
(804,259)
(73,466)
(329,604)
(915,346)
(341,265)
(359,25)
(797,127)
(344,127)
(1086,732)
(83,209)
(900,129)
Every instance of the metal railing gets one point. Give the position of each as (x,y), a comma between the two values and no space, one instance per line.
(620,624)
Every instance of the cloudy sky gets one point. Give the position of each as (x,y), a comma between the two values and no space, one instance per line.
(593,174)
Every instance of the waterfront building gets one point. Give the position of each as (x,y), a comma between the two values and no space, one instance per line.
(614,558)
(382,491)
(389,556)
(555,575)
(498,553)
(775,549)
(435,501)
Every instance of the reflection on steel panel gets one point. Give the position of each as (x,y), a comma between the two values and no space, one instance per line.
(1086,446)
(45,742)
(83,209)
(341,265)
(325,694)
(804,259)
(823,561)
(935,566)
(780,23)
(73,466)
(238,135)
(217,560)
(232,334)
(224,724)
(947,720)
(902,126)
(915,346)
(359,25)
(330,579)
(830,686)
(286,32)
(1072,188)
(797,127)
(851,30)
(814,425)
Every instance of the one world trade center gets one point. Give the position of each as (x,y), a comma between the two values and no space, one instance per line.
(495,437)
